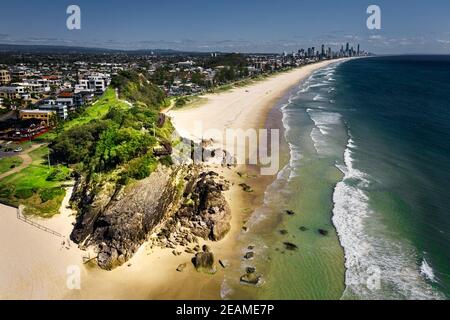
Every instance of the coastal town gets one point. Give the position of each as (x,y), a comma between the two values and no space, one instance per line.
(87,149)
(37,92)
(210,159)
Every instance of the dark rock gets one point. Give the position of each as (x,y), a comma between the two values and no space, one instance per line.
(176,253)
(107,258)
(115,221)
(224,263)
(189,250)
(284,232)
(290,212)
(245,187)
(249,255)
(210,210)
(119,220)
(303,229)
(181,267)
(224,186)
(206,248)
(323,232)
(251,269)
(290,246)
(251,278)
(204,262)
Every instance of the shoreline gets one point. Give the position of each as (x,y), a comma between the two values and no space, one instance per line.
(151,274)
(269,116)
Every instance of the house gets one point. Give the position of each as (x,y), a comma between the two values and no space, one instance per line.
(43,115)
(30,87)
(19,74)
(5,77)
(66,98)
(11,92)
(60,110)
(95,83)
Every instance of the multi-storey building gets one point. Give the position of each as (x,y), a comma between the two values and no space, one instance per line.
(5,77)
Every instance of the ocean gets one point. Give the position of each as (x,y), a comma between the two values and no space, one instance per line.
(367,171)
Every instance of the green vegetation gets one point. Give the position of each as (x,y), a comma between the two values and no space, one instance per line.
(189,102)
(97,110)
(7,164)
(111,141)
(118,146)
(137,89)
(38,187)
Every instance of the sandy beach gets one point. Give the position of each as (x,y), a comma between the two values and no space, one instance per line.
(34,263)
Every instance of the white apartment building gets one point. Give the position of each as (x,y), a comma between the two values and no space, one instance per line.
(93,83)
(60,110)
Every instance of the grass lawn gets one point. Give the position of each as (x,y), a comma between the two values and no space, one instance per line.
(39,156)
(190,102)
(7,164)
(38,187)
(98,110)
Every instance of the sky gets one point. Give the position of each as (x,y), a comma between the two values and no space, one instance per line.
(407,26)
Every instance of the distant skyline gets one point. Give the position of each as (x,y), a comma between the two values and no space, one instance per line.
(408,26)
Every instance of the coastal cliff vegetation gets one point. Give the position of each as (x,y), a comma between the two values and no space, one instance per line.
(111,140)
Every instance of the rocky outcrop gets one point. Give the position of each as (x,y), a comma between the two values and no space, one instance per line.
(204,261)
(182,202)
(205,211)
(251,278)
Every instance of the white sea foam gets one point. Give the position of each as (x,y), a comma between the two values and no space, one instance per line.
(320,142)
(427,271)
(318,85)
(318,98)
(324,121)
(377,267)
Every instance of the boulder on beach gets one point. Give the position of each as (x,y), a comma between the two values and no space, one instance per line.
(250,269)
(245,187)
(249,255)
(251,278)
(323,232)
(204,261)
(290,246)
(224,263)
(181,267)
(290,212)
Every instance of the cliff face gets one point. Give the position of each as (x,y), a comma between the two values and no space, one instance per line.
(117,220)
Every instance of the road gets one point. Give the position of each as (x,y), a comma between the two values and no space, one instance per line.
(27,160)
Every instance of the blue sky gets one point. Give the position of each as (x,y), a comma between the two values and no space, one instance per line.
(408,26)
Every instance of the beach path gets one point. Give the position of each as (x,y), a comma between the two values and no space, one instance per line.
(27,160)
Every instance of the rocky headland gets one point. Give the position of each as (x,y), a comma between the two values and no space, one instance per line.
(173,207)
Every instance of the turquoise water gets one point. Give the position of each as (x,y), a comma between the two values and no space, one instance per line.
(369,162)
(394,200)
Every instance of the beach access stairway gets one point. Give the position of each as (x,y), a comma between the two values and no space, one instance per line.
(23,218)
